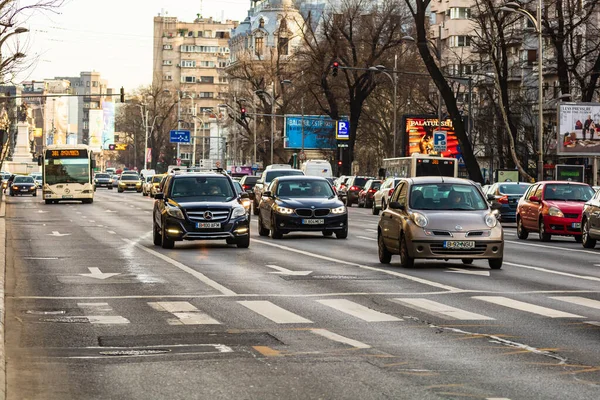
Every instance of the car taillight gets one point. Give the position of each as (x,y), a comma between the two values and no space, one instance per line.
(372,190)
(354,188)
(390,192)
(503,200)
(246,187)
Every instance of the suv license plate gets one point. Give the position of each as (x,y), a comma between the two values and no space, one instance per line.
(313,221)
(208,225)
(459,244)
(576,225)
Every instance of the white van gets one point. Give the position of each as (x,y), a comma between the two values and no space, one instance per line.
(317,168)
(278,166)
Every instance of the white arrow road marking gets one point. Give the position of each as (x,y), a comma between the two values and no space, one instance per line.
(468,272)
(96,273)
(42,211)
(110,211)
(285,271)
(58,234)
(367,238)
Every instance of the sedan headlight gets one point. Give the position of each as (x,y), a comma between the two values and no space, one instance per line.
(491,220)
(555,212)
(284,210)
(419,219)
(174,212)
(339,210)
(238,212)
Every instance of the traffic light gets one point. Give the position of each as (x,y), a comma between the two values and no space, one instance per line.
(243,112)
(335,67)
(339,163)
(122,95)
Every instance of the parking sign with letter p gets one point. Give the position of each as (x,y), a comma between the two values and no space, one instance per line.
(440,141)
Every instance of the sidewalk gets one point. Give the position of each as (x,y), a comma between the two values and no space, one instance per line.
(2,277)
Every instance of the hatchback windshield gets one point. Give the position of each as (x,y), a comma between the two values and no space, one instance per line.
(446,196)
(360,182)
(102,176)
(270,175)
(207,188)
(304,188)
(156,178)
(568,192)
(23,179)
(518,188)
(129,178)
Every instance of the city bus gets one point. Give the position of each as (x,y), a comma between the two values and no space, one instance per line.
(67,173)
(419,165)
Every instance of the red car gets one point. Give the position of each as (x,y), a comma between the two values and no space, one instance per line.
(365,196)
(552,208)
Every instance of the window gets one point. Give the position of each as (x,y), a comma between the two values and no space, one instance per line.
(87,84)
(222,79)
(207,34)
(460,13)
(167,47)
(531,57)
(188,79)
(258,45)
(210,64)
(206,95)
(187,48)
(167,78)
(207,79)
(86,125)
(188,64)
(95,83)
(167,62)
(222,64)
(460,41)
(282,46)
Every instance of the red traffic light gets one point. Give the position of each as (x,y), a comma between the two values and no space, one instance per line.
(339,163)
(243,110)
(336,64)
(334,69)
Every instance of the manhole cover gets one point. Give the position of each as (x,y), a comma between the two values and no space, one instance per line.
(134,352)
(73,320)
(45,312)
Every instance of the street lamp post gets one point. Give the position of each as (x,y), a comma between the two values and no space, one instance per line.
(537,22)
(394,78)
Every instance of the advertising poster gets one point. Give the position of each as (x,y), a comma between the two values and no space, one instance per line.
(108,131)
(319,132)
(60,120)
(96,128)
(419,136)
(571,173)
(578,129)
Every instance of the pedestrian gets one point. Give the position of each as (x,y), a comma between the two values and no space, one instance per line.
(586,126)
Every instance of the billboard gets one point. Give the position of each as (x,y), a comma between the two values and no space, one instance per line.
(419,136)
(578,129)
(108,119)
(96,127)
(57,120)
(571,173)
(319,132)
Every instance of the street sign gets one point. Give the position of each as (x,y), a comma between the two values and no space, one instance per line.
(440,141)
(302,156)
(343,130)
(180,136)
(343,145)
(254,166)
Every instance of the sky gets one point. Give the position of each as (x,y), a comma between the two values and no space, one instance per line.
(113,37)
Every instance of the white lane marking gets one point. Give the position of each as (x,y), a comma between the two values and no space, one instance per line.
(83,216)
(580,301)
(340,339)
(468,272)
(527,307)
(198,275)
(358,311)
(371,230)
(510,234)
(112,232)
(91,220)
(285,271)
(398,274)
(367,238)
(40,258)
(100,226)
(439,309)
(274,312)
(550,271)
(497,398)
(185,312)
(595,323)
(148,212)
(553,247)
(58,234)
(101,313)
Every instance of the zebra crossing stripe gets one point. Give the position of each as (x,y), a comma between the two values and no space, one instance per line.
(340,339)
(358,311)
(527,307)
(580,301)
(274,312)
(101,313)
(442,310)
(185,312)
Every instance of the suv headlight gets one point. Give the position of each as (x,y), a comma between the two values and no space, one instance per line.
(339,210)
(491,220)
(238,212)
(284,210)
(555,212)
(419,219)
(174,212)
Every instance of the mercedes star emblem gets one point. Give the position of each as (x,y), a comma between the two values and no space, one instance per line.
(208,215)
(458,228)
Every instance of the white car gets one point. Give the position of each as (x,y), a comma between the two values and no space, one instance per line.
(381,198)
(147,185)
(37,177)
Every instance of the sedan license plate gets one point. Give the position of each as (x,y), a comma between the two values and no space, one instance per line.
(313,221)
(208,225)
(450,244)
(576,225)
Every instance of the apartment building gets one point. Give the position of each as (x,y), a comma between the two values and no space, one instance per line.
(189,61)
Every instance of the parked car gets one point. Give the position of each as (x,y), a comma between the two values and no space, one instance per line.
(353,187)
(552,208)
(381,198)
(439,218)
(590,222)
(103,180)
(508,195)
(23,185)
(365,196)
(301,203)
(248,182)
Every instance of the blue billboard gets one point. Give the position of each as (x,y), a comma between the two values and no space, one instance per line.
(319,132)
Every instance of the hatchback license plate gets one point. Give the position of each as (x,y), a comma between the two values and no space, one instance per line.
(459,244)
(313,221)
(576,225)
(208,225)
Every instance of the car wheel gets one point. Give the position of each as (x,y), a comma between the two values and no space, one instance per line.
(578,238)
(495,263)
(348,202)
(110,188)
(359,204)
(343,234)
(156,238)
(521,231)
(467,261)
(327,233)
(34,194)
(374,209)
(120,190)
(47,201)
(383,205)
(275,232)
(262,231)
(255,208)
(166,243)
(367,204)
(406,261)
(586,240)
(544,237)
(144,194)
(243,243)
(385,257)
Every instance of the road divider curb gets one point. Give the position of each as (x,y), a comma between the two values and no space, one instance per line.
(2,282)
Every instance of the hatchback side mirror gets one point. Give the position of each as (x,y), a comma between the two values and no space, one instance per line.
(496,205)
(159,196)
(244,196)
(394,205)
(534,199)
(491,197)
(267,193)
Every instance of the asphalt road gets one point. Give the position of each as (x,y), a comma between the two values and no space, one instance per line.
(95,311)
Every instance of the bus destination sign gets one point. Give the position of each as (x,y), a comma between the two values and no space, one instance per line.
(70,153)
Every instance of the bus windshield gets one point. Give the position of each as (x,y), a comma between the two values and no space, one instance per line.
(67,170)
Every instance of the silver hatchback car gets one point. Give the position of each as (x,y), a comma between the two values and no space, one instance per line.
(440,218)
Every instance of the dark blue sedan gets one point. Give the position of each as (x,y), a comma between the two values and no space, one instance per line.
(508,195)
(23,185)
